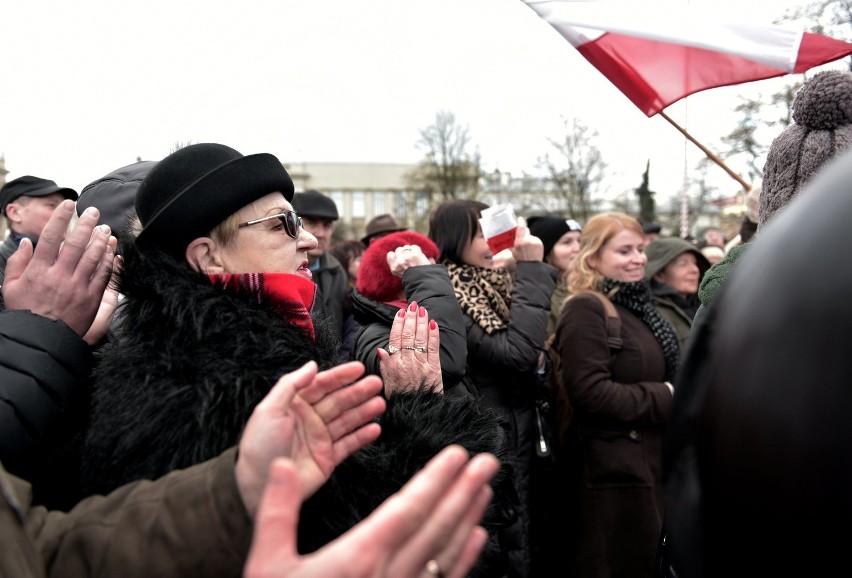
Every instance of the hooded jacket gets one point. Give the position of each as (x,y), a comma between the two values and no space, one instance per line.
(190,363)
(677,310)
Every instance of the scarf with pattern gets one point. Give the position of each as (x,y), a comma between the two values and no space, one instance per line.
(636,296)
(483,294)
(292,296)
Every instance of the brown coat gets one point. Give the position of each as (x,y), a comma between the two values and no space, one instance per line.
(189,523)
(615,463)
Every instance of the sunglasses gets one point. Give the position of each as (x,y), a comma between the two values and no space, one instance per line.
(290,219)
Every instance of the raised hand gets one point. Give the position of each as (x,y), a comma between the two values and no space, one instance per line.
(406,256)
(428,528)
(527,247)
(413,357)
(62,280)
(316,419)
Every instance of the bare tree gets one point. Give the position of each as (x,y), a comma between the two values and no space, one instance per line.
(575,168)
(449,169)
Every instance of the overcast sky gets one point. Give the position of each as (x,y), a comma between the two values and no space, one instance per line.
(89,86)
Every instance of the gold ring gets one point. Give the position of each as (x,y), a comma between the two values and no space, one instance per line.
(433,569)
(392,349)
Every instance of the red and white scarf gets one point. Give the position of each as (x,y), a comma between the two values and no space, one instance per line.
(290,295)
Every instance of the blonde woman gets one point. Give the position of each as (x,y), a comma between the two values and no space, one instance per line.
(619,382)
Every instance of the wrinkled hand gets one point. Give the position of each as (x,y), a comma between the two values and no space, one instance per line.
(413,356)
(106,310)
(62,281)
(313,419)
(433,517)
(527,247)
(406,256)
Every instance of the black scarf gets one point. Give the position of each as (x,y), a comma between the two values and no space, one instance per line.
(636,297)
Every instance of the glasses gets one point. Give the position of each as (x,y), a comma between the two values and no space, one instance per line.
(290,219)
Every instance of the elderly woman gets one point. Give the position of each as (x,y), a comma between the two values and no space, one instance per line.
(398,269)
(618,357)
(674,270)
(217,305)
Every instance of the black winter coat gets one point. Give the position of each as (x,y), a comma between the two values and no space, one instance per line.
(192,361)
(503,367)
(43,365)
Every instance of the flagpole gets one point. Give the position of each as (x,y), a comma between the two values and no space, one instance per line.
(710,154)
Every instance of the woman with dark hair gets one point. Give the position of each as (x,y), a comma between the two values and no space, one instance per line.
(217,305)
(618,357)
(505,323)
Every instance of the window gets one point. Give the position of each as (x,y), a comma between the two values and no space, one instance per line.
(357,204)
(379,202)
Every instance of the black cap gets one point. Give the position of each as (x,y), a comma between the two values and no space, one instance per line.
(315,205)
(30,186)
(114,195)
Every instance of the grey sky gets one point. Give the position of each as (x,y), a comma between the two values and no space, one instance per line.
(90,85)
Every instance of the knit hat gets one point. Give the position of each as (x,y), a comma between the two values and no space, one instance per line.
(380,225)
(375,280)
(191,191)
(663,251)
(314,204)
(822,111)
(30,186)
(114,195)
(550,229)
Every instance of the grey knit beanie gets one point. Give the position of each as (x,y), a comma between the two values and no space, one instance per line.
(822,111)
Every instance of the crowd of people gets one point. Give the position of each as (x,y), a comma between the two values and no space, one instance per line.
(195,380)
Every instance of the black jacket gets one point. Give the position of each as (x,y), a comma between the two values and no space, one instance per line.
(430,287)
(191,363)
(332,280)
(43,365)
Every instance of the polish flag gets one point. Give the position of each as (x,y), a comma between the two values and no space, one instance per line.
(657,55)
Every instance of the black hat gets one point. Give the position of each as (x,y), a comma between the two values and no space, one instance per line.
(114,195)
(191,191)
(315,205)
(29,186)
(650,227)
(380,225)
(551,229)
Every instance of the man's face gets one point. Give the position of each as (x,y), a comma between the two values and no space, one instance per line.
(29,215)
(322,230)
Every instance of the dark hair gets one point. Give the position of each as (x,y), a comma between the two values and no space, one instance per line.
(347,251)
(453,225)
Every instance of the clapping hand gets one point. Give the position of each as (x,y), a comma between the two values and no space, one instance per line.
(59,280)
(315,418)
(428,528)
(413,356)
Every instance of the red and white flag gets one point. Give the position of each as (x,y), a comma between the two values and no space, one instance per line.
(656,56)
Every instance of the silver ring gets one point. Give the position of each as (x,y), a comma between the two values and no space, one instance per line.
(392,349)
(404,249)
(433,569)
(421,349)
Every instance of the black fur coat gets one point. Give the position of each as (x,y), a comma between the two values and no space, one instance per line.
(189,363)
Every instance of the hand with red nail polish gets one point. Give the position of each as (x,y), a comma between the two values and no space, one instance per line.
(412,358)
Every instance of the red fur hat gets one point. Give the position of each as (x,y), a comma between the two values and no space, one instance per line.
(375,280)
